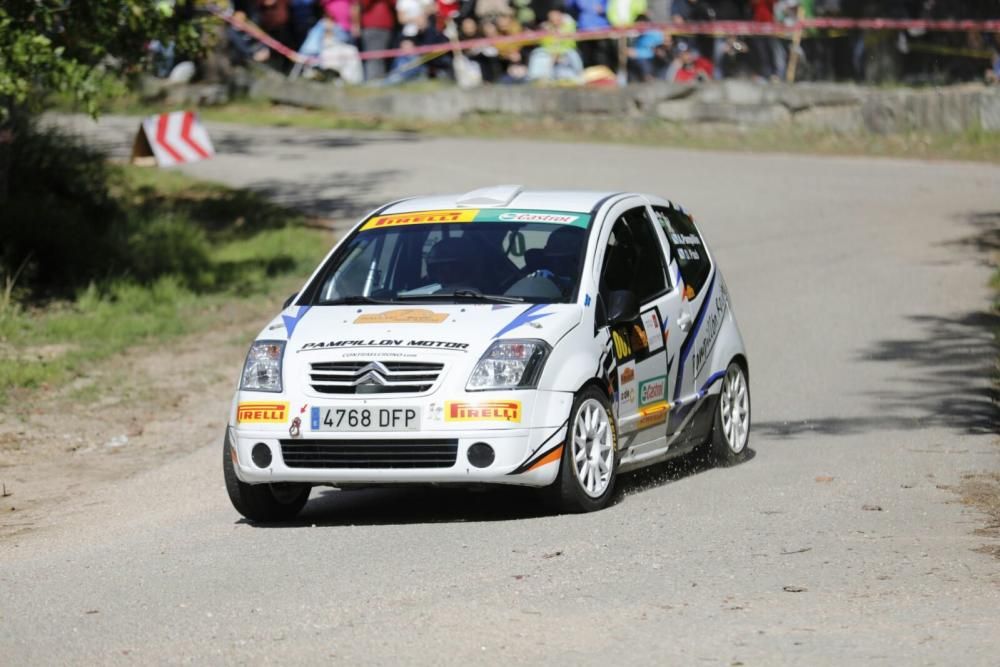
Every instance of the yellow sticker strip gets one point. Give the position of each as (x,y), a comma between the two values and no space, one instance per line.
(403,316)
(654,414)
(421,218)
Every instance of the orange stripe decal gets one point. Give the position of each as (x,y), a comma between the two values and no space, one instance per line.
(551,457)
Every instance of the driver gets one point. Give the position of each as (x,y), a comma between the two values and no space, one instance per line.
(562,252)
(450,265)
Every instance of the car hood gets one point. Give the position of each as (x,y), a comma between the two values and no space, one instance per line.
(431,328)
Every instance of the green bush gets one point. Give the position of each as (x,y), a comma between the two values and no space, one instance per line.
(168,246)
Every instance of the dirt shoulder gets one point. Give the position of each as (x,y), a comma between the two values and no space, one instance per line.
(120,416)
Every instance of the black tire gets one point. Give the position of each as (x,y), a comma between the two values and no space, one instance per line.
(720,449)
(567,493)
(262,503)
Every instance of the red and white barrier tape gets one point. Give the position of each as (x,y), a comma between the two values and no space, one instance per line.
(716,28)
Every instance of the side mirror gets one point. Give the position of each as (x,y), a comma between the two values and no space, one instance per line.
(289,301)
(623,307)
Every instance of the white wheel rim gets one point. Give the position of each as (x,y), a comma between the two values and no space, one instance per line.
(735,409)
(593,448)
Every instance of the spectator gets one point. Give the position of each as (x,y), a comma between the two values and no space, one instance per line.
(413,16)
(513,69)
(243,47)
(445,11)
(273,17)
(556,58)
(524,12)
(769,51)
(487,57)
(377,21)
(624,13)
(302,17)
(330,45)
(729,53)
(689,66)
(488,10)
(339,11)
(993,74)
(645,55)
(592,15)
(699,11)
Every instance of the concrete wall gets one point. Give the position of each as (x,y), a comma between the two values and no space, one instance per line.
(839,107)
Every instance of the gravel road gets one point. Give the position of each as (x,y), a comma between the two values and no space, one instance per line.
(860,286)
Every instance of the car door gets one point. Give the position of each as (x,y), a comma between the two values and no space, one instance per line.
(634,260)
(693,271)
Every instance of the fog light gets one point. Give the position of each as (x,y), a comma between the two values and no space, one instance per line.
(261,455)
(480,455)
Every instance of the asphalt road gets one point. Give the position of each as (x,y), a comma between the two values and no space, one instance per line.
(860,286)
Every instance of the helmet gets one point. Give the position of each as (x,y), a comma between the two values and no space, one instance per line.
(448,262)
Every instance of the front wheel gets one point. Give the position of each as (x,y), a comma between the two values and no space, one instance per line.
(262,503)
(589,462)
(731,431)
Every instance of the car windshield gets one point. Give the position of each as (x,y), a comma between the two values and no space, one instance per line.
(413,257)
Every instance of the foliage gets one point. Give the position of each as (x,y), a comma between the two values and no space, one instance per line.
(72,219)
(71,46)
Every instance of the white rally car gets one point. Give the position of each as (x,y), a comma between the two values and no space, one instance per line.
(503,336)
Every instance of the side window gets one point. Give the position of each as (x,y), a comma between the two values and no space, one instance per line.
(633,259)
(351,278)
(685,246)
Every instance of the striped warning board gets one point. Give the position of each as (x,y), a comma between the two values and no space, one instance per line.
(170,139)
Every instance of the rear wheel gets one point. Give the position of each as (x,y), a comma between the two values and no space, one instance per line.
(731,432)
(589,462)
(262,503)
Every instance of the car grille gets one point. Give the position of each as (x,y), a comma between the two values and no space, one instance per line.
(373,377)
(437,453)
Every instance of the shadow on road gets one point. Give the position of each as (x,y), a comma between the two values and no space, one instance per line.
(416,505)
(954,361)
(280,140)
(340,195)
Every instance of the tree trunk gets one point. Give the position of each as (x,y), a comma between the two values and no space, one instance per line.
(6,144)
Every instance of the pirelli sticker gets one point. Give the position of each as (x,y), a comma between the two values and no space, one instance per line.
(274,412)
(420,218)
(484,411)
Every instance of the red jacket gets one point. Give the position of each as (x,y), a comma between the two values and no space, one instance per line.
(763,10)
(378,14)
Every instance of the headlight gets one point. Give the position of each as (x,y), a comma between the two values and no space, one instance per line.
(509,364)
(262,369)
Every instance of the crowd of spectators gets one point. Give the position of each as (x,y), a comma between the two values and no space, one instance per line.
(333,33)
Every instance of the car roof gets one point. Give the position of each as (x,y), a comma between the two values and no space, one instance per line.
(505,196)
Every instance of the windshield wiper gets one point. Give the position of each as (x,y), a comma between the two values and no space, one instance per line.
(471,294)
(354,301)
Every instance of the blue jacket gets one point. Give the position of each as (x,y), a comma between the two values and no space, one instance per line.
(590,14)
(646,43)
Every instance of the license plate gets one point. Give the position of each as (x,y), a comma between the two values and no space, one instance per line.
(354,420)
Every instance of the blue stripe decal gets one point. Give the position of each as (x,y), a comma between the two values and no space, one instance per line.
(528,316)
(689,341)
(292,320)
(712,379)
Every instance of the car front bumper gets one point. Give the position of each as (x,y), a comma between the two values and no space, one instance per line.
(524,456)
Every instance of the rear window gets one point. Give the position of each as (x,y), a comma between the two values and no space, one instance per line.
(686,246)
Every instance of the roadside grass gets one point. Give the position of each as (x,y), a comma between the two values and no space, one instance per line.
(246,247)
(972,145)
(982,490)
